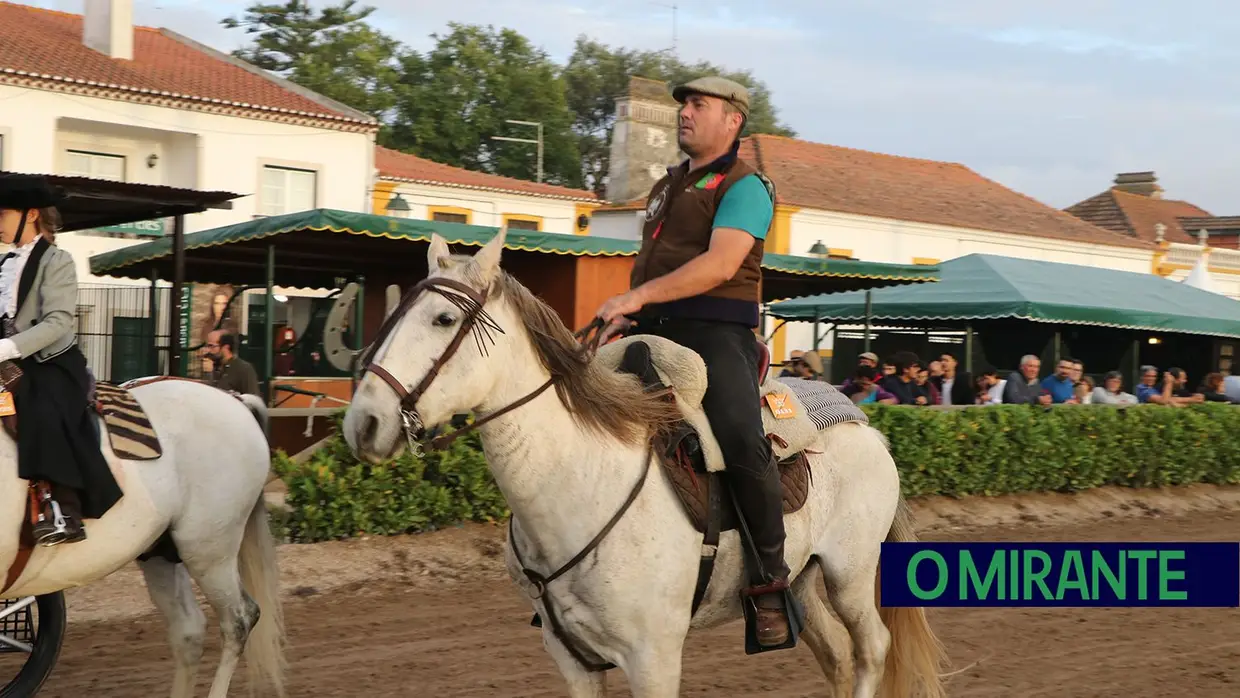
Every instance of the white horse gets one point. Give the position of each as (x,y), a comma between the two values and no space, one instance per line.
(206,491)
(568,458)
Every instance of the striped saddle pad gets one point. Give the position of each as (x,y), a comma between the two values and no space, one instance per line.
(129,430)
(825,405)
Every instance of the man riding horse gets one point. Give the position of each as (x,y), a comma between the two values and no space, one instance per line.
(696,282)
(56,442)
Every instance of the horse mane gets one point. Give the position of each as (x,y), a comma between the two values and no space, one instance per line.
(600,399)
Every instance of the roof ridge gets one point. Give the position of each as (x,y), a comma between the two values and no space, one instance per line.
(392,152)
(909,158)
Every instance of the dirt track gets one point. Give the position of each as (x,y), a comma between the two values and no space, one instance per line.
(383,639)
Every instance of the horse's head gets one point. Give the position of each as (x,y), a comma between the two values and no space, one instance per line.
(438,353)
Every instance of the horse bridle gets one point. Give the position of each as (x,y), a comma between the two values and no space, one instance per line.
(476,319)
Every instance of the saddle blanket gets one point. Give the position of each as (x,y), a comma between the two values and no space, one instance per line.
(129,429)
(824,404)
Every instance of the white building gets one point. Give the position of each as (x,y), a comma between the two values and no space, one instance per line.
(886,208)
(429,190)
(96,96)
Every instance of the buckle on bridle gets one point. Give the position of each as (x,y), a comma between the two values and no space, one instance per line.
(407,418)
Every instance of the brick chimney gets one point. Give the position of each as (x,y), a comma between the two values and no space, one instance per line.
(107,27)
(1141,183)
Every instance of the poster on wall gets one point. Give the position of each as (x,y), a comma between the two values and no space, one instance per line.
(211,309)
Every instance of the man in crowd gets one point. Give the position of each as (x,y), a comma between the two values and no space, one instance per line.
(955,387)
(1022,387)
(903,383)
(1061,385)
(229,371)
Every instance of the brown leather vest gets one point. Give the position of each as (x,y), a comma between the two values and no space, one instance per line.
(680,214)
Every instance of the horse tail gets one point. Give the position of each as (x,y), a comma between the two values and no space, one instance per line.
(916,654)
(258,408)
(264,649)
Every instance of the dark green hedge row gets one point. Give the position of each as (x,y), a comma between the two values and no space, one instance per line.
(974,451)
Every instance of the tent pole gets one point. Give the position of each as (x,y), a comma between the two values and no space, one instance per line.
(816,319)
(1136,363)
(869,308)
(271,322)
(153,313)
(1058,346)
(968,348)
(178,332)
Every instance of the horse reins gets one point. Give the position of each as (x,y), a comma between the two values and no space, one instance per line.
(476,319)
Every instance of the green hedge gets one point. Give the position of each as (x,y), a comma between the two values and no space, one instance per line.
(993,450)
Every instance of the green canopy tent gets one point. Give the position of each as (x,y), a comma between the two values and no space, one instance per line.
(319,246)
(979,287)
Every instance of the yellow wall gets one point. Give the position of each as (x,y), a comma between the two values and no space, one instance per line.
(579,210)
(778,242)
(380,196)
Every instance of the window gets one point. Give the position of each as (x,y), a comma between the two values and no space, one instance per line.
(287,190)
(83,163)
(448,214)
(519,222)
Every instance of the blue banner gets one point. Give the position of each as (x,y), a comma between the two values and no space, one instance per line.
(1195,575)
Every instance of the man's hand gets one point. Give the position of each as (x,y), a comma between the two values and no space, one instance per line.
(618,306)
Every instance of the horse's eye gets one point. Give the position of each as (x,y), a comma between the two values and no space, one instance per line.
(444,320)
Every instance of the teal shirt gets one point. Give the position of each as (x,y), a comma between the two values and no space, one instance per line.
(746,206)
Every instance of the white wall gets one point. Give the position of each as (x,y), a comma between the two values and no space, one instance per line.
(625,225)
(196,150)
(488,207)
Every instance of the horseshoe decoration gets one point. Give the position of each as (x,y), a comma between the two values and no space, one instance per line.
(338,355)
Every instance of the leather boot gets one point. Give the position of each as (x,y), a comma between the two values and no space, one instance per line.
(760,499)
(59,515)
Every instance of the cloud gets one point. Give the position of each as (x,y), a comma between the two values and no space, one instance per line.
(1051,98)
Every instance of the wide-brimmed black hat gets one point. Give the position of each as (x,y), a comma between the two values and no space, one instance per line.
(22,192)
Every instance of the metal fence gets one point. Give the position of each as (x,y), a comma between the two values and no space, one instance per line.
(116,334)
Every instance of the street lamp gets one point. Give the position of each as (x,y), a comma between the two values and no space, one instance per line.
(819,250)
(538,141)
(397,206)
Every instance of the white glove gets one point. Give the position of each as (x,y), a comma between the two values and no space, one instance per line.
(8,350)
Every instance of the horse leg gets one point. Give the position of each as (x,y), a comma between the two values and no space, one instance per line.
(172,592)
(654,672)
(582,683)
(220,581)
(825,637)
(850,588)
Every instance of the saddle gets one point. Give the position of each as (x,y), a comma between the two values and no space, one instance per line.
(792,411)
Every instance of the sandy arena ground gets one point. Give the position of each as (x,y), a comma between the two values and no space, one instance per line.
(435,616)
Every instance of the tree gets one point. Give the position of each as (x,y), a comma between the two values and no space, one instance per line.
(456,97)
(596,74)
(333,51)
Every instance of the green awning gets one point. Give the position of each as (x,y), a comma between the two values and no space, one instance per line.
(314,247)
(986,287)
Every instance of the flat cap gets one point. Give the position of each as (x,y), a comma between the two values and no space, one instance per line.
(715,86)
(22,192)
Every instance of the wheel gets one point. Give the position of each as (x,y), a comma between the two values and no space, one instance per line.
(33,628)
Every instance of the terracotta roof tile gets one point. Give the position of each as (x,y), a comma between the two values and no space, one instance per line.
(834,178)
(1136,216)
(393,164)
(164,64)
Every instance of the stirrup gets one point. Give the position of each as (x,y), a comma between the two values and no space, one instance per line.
(59,532)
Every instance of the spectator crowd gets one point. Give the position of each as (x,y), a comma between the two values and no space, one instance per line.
(904,379)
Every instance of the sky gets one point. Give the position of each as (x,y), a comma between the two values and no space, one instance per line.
(1050,98)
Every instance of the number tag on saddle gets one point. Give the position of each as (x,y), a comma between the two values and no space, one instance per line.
(781,406)
(7,407)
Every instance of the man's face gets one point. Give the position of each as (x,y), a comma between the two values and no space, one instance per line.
(1063,369)
(1030,370)
(947,362)
(705,126)
(912,370)
(1149,377)
(864,383)
(1181,379)
(867,361)
(214,351)
(936,368)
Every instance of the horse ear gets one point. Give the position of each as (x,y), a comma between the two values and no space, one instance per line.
(438,253)
(487,258)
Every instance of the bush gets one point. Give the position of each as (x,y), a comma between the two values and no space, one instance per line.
(1005,449)
(993,450)
(333,495)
